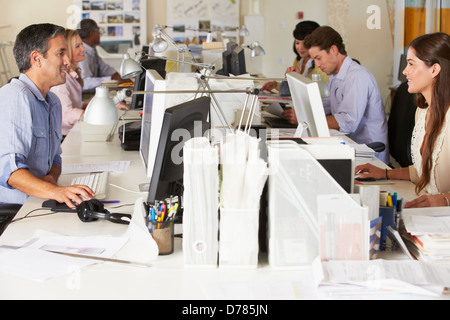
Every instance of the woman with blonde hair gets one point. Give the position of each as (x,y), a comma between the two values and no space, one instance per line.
(428,75)
(70,93)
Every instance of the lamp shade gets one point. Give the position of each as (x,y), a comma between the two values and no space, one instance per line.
(243,31)
(257,50)
(159,44)
(129,67)
(101,109)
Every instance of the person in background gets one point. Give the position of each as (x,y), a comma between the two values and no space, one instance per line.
(30,154)
(428,76)
(355,106)
(70,93)
(303,63)
(93,69)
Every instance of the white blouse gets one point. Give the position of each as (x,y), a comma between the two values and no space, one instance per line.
(440,171)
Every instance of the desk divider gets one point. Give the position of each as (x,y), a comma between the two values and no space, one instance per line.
(303,224)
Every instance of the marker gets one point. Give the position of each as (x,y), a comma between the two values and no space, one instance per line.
(152,214)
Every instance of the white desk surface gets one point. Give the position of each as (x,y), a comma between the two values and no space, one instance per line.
(166,279)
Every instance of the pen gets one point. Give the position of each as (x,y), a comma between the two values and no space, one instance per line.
(110,201)
(389,200)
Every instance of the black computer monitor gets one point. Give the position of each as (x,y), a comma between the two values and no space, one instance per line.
(238,61)
(180,123)
(157,64)
(226,59)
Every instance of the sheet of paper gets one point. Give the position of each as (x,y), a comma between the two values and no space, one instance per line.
(97,246)
(113,166)
(371,272)
(275,109)
(39,265)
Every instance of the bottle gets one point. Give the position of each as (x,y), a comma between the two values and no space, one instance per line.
(324,91)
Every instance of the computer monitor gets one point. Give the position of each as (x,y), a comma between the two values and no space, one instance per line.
(180,123)
(226,59)
(238,61)
(157,64)
(308,106)
(154,82)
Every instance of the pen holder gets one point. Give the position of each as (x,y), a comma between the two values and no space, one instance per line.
(162,233)
(238,241)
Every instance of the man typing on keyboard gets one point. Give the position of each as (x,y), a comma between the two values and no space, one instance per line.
(30,125)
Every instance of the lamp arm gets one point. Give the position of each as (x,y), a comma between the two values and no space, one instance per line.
(196,64)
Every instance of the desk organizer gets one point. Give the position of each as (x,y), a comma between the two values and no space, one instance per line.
(300,226)
(238,244)
(201,204)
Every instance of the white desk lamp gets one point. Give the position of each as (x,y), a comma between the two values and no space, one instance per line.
(100,118)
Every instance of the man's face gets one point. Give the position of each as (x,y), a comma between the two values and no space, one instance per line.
(326,61)
(55,62)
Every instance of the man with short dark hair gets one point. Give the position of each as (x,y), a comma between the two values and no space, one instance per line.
(30,153)
(355,106)
(93,69)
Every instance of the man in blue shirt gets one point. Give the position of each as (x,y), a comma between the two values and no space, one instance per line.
(93,69)
(355,106)
(30,152)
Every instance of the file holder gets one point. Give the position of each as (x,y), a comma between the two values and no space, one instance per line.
(244,175)
(239,242)
(201,204)
(296,235)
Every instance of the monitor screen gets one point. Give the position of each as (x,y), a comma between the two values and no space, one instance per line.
(157,64)
(308,106)
(180,123)
(153,82)
(238,61)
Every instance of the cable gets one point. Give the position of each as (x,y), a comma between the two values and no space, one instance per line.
(39,215)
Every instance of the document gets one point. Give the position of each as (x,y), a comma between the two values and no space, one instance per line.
(378,272)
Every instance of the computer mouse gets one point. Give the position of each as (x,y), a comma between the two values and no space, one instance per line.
(56,206)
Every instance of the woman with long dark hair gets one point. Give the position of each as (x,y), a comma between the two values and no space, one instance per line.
(428,75)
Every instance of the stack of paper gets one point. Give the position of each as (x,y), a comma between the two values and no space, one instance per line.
(363,151)
(244,173)
(427,233)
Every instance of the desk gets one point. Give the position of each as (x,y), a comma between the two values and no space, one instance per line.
(167,279)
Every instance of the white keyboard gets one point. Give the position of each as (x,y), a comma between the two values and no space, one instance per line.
(98,182)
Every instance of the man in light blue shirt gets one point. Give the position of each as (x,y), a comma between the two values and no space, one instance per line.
(30,152)
(355,106)
(93,69)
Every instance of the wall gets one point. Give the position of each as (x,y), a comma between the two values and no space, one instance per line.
(279,40)
(372,47)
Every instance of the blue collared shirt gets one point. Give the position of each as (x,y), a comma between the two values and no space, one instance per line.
(355,102)
(30,133)
(93,69)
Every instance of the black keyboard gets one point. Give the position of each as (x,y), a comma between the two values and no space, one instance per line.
(281,123)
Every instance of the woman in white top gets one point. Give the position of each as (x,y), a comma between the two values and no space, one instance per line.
(70,92)
(428,75)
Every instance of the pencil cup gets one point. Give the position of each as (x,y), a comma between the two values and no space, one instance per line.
(162,233)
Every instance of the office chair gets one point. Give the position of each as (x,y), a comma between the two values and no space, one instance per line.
(7,213)
(401,124)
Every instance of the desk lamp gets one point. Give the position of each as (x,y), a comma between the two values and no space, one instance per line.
(256,48)
(100,118)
